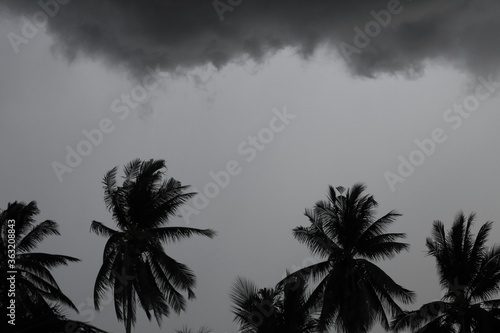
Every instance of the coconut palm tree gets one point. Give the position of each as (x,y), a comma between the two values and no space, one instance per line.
(283,309)
(352,291)
(135,265)
(39,300)
(469,273)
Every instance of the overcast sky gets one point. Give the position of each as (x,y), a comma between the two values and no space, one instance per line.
(291,96)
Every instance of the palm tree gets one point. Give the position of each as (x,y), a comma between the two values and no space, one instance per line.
(39,300)
(353,293)
(135,265)
(469,273)
(283,309)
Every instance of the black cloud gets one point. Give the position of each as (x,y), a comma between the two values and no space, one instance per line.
(184,33)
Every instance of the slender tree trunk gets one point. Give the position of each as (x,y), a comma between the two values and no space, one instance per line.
(464,327)
(129,290)
(128,326)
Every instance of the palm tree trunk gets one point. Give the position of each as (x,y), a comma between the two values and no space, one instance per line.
(128,326)
(464,327)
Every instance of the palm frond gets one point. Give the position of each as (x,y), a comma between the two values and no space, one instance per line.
(181,276)
(132,169)
(47,260)
(416,319)
(382,281)
(486,283)
(382,247)
(100,229)
(174,298)
(174,234)
(316,241)
(36,235)
(109,184)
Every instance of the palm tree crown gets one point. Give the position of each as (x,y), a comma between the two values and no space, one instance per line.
(469,273)
(135,264)
(283,309)
(352,292)
(39,300)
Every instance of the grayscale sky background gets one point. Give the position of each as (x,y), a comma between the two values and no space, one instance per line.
(221,81)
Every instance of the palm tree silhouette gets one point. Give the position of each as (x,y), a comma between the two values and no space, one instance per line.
(135,265)
(283,309)
(469,273)
(39,300)
(353,293)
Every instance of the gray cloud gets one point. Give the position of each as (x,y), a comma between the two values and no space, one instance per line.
(181,34)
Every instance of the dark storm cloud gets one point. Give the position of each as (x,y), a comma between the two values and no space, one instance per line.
(185,33)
